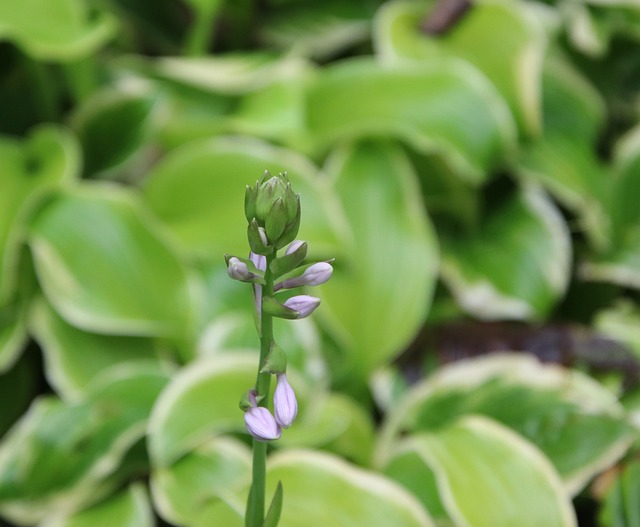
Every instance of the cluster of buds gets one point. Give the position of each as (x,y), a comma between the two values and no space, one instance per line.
(261,424)
(273,215)
(273,212)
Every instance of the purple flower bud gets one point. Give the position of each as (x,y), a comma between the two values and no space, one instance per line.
(238,270)
(261,424)
(315,274)
(259,261)
(293,247)
(285,404)
(303,304)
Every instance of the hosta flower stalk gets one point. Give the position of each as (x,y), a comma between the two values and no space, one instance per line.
(272,210)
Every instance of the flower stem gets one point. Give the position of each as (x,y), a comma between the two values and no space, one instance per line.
(201,33)
(256,503)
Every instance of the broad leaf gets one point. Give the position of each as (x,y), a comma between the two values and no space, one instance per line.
(318,30)
(334,423)
(563,159)
(56,30)
(477,462)
(105,268)
(231,74)
(321,490)
(502,39)
(517,265)
(121,118)
(378,295)
(554,408)
(127,508)
(198,192)
(444,106)
(74,359)
(60,456)
(619,264)
(49,157)
(205,487)
(200,403)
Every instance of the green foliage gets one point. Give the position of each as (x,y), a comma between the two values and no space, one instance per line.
(484,166)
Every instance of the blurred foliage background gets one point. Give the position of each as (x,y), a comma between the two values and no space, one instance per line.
(474,169)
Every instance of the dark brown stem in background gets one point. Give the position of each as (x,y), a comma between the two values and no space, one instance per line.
(444,16)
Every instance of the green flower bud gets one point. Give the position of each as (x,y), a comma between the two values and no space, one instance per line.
(275,208)
(250,202)
(258,239)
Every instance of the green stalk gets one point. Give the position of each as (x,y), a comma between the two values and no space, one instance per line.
(201,33)
(256,501)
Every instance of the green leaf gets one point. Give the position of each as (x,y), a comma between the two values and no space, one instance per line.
(231,74)
(619,264)
(74,359)
(199,404)
(553,408)
(620,322)
(564,158)
(379,292)
(275,112)
(13,334)
(334,423)
(478,462)
(503,39)
(56,30)
(198,192)
(527,237)
(275,509)
(105,268)
(621,505)
(205,486)
(445,106)
(122,118)
(324,490)
(60,457)
(318,30)
(30,169)
(127,508)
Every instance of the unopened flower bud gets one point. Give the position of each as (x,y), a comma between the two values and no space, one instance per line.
(293,247)
(238,270)
(275,208)
(261,424)
(285,404)
(304,305)
(315,274)
(259,261)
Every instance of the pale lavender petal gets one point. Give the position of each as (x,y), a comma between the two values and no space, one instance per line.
(261,424)
(238,270)
(259,260)
(293,246)
(303,304)
(285,404)
(315,274)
